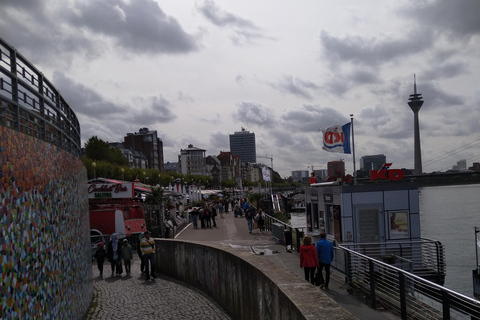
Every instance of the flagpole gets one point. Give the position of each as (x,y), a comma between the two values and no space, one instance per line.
(353,151)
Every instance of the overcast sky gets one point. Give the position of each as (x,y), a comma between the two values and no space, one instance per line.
(197,71)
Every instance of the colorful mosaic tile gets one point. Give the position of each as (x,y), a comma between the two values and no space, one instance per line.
(45,262)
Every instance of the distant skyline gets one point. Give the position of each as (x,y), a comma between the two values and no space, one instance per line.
(197,71)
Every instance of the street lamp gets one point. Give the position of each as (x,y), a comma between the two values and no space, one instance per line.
(94,165)
(144,176)
(123,174)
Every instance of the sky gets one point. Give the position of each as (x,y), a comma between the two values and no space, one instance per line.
(198,71)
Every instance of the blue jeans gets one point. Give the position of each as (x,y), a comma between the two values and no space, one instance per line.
(194,218)
(149,257)
(250,224)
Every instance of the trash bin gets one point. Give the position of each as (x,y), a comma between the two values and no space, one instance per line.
(287,234)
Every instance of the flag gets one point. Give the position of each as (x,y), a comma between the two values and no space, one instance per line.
(266,174)
(337,138)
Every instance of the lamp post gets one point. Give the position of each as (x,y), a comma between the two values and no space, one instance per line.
(144,176)
(123,174)
(94,165)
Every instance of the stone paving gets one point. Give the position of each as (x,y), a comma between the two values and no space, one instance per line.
(133,297)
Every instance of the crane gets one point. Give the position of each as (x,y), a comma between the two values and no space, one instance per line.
(271,160)
(313,165)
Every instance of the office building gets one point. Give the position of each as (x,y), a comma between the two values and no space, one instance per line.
(242,144)
(147,143)
(372,162)
(192,161)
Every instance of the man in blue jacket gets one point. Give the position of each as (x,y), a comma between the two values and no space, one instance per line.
(325,257)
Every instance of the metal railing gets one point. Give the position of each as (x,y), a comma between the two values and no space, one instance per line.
(402,292)
(30,103)
(296,233)
(424,258)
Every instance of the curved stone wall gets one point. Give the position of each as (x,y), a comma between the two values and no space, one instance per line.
(45,262)
(247,286)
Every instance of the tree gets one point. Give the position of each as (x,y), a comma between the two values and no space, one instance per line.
(98,150)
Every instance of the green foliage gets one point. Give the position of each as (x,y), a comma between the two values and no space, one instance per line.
(157,197)
(255,198)
(98,150)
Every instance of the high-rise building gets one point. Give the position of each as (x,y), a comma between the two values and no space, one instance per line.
(242,143)
(148,143)
(192,161)
(299,175)
(372,162)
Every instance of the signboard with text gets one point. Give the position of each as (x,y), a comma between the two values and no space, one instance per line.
(111,190)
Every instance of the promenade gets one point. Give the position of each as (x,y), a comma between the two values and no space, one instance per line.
(165,298)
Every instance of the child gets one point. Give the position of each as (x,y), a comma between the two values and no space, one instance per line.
(127,255)
(100,255)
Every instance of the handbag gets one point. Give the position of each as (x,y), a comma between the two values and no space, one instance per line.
(316,277)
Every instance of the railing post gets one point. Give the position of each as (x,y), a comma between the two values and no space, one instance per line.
(446,305)
(403,300)
(372,283)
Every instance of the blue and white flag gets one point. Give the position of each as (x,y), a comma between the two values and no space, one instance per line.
(337,138)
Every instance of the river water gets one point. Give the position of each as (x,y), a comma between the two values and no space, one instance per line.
(448,214)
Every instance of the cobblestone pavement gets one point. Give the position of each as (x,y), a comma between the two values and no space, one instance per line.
(133,297)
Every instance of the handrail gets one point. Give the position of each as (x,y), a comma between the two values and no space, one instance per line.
(410,295)
(29,103)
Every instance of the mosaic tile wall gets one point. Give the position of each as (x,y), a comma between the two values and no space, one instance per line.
(45,262)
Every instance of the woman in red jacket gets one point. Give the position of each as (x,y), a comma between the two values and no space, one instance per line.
(308,259)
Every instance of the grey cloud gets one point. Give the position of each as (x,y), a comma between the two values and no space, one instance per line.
(310,118)
(296,86)
(185,97)
(373,52)
(244,29)
(223,18)
(457,19)
(83,100)
(446,70)
(254,113)
(220,141)
(140,26)
(364,77)
(154,110)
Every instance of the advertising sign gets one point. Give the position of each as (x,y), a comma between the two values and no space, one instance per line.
(111,190)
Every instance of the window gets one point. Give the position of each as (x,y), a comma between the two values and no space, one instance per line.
(398,224)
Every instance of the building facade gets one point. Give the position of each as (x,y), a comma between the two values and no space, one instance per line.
(230,164)
(148,143)
(372,162)
(336,168)
(192,161)
(299,175)
(242,143)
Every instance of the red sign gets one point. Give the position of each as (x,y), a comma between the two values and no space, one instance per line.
(384,174)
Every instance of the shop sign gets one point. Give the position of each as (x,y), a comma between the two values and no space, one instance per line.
(386,174)
(110,190)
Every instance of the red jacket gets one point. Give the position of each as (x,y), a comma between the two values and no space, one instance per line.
(308,256)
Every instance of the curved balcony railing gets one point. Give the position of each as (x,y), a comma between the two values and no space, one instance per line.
(30,103)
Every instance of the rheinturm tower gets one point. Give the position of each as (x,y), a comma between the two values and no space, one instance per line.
(415,102)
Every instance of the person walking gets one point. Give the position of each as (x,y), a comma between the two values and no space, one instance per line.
(114,255)
(249,215)
(139,251)
(213,214)
(100,256)
(202,218)
(325,254)
(148,253)
(127,256)
(260,217)
(221,209)
(195,214)
(308,259)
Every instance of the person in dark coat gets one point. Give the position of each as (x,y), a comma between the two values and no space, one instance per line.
(100,256)
(114,255)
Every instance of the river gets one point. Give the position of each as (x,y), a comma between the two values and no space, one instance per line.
(448,214)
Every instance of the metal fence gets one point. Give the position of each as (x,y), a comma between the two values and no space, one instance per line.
(402,292)
(424,257)
(30,103)
(292,236)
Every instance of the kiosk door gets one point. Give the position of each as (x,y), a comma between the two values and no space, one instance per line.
(368,225)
